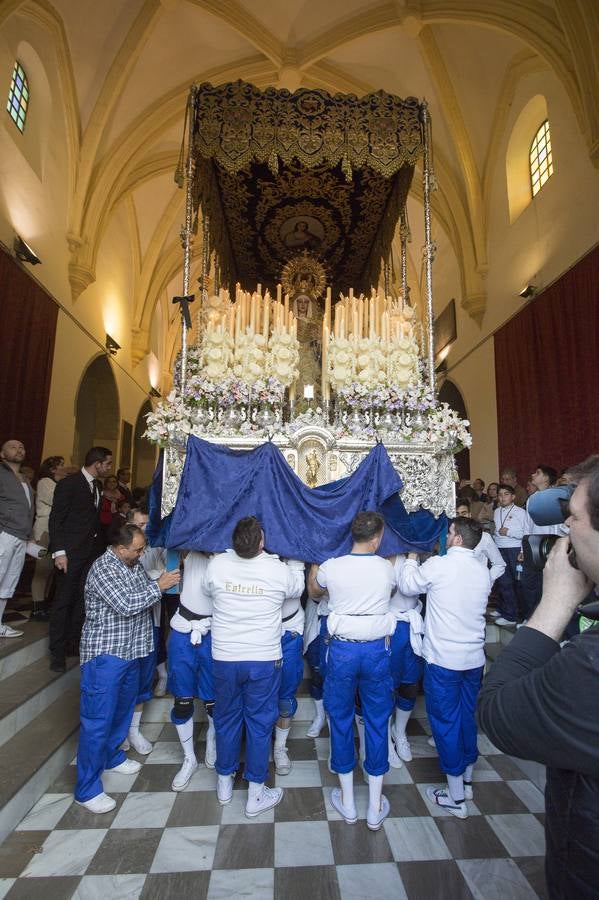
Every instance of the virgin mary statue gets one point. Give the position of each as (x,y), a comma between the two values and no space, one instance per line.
(309,334)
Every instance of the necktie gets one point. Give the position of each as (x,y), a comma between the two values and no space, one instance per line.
(96,491)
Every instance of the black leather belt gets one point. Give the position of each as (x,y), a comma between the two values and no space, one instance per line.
(291,615)
(189,614)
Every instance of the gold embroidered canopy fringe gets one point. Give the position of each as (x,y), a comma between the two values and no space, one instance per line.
(278,172)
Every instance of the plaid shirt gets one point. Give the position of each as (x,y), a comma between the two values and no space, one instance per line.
(117,610)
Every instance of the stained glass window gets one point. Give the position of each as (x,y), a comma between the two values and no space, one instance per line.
(18,96)
(541,158)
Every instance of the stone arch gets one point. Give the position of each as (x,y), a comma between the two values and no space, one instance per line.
(144,453)
(517,167)
(97,410)
(451,394)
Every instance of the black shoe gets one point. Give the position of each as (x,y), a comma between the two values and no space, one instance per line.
(39,614)
(58,664)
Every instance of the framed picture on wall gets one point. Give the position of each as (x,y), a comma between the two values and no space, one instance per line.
(126,444)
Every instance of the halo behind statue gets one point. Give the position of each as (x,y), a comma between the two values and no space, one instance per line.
(304,274)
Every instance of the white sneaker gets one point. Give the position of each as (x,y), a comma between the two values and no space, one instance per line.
(210,757)
(494,613)
(99,804)
(402,745)
(267,798)
(183,776)
(282,761)
(139,743)
(440,797)
(431,742)
(224,789)
(7,631)
(349,815)
(160,689)
(468,790)
(503,621)
(521,624)
(374,823)
(127,767)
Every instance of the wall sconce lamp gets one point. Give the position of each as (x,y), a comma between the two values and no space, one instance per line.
(154,392)
(528,292)
(111,345)
(23,251)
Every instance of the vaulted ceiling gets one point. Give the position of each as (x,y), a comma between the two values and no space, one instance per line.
(126,66)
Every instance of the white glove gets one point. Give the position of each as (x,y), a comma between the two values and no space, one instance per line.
(199,628)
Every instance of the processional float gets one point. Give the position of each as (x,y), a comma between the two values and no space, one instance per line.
(299,336)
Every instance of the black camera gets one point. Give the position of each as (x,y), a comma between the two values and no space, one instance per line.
(550,507)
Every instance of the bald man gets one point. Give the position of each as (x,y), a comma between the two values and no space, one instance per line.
(16,521)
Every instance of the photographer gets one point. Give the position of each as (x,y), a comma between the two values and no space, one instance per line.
(539,702)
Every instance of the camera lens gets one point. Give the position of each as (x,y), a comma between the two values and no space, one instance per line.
(536,548)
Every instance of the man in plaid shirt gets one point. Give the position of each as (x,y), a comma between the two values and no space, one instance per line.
(117,632)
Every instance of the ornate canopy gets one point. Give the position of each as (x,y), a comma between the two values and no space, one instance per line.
(279,173)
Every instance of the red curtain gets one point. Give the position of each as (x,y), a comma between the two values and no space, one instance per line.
(27,332)
(547,375)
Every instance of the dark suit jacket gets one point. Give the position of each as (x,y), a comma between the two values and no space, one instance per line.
(74,519)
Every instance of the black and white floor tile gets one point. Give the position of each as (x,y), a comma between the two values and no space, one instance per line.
(158,844)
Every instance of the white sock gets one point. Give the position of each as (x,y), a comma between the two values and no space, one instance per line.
(360,726)
(375,790)
(254,790)
(185,732)
(161,669)
(281,735)
(402,717)
(467,776)
(456,787)
(210,733)
(319,714)
(135,722)
(347,790)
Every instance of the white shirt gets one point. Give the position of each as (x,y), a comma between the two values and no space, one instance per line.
(486,550)
(401,602)
(457,588)
(247,598)
(358,584)
(153,561)
(359,587)
(514,518)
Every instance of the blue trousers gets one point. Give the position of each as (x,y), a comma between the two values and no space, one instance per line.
(147,667)
(313,658)
(507,584)
(324,647)
(108,690)
(291,674)
(406,666)
(365,667)
(190,670)
(246,693)
(451,706)
(531,589)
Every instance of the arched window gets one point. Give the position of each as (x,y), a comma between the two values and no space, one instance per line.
(18,96)
(540,158)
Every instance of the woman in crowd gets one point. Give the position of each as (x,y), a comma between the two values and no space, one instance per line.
(51,471)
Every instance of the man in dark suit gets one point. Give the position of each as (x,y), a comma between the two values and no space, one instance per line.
(75,542)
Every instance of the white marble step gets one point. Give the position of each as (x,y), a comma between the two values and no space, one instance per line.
(16,653)
(27,693)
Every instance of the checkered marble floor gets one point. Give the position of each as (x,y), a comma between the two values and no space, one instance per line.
(158,844)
